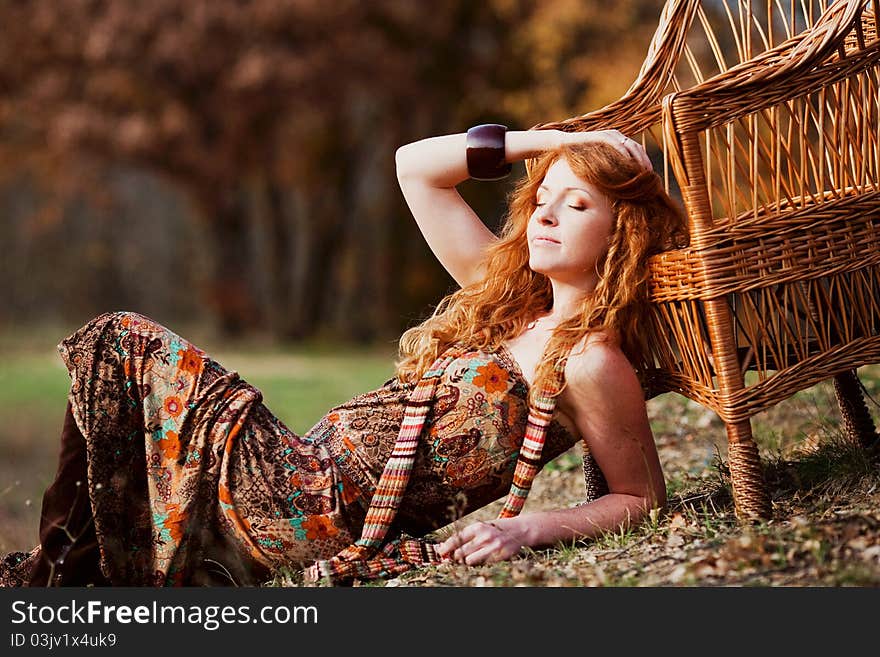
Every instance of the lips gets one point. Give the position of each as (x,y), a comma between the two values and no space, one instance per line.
(544,239)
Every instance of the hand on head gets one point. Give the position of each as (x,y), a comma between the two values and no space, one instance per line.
(614,138)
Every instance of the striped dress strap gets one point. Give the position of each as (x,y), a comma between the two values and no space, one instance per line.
(395,477)
(528,462)
(369,557)
(389,491)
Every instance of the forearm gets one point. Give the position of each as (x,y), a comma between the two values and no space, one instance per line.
(483,542)
(442,161)
(605,515)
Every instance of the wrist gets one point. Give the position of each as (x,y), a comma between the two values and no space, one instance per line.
(486,150)
(564,138)
(524,144)
(524,530)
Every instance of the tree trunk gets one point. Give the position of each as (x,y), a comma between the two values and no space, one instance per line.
(361,307)
(297,250)
(228,290)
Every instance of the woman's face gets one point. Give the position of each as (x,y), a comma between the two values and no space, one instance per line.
(568,231)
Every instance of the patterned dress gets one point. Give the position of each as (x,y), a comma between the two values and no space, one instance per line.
(189,471)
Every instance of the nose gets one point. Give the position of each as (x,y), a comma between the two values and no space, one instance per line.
(546,214)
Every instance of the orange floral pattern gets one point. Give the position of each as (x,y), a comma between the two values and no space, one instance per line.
(491,378)
(319,527)
(173,406)
(188,469)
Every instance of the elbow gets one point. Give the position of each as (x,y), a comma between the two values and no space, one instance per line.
(651,502)
(402,162)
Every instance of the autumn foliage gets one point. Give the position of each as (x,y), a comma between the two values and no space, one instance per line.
(275,123)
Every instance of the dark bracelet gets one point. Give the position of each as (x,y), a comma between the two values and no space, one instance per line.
(485,152)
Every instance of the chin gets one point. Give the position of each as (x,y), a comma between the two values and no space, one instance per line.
(541,268)
(537,266)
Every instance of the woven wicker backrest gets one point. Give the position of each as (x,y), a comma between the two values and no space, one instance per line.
(764,119)
(694,42)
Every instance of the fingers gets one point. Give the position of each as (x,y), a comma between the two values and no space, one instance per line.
(488,553)
(475,544)
(625,145)
(455,542)
(633,149)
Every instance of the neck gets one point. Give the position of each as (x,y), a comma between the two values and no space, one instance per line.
(568,297)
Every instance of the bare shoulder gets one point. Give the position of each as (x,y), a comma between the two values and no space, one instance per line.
(596,357)
(605,399)
(598,371)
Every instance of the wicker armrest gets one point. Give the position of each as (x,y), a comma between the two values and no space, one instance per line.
(799,66)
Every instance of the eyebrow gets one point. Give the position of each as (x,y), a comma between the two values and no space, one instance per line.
(568,189)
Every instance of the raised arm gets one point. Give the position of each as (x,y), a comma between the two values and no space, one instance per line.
(429,170)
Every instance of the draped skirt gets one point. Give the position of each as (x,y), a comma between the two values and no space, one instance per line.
(190,479)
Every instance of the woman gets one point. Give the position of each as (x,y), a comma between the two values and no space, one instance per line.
(172,471)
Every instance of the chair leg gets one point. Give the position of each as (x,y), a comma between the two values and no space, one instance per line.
(746,474)
(857,420)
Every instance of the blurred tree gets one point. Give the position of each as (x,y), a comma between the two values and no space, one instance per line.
(279,119)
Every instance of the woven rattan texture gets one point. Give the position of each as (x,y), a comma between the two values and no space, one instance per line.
(764,118)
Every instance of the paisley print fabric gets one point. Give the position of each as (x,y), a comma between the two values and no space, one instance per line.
(188,471)
(470,443)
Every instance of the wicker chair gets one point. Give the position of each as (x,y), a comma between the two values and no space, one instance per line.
(767,118)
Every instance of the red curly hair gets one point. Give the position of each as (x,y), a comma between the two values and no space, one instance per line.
(482,315)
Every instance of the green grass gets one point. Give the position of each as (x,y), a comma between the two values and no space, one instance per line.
(31,386)
(300,386)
